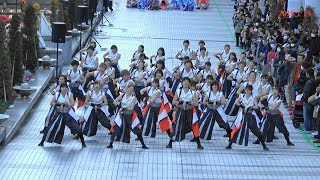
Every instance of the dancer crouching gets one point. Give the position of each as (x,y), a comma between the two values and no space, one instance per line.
(213,100)
(185,119)
(273,118)
(246,120)
(63,116)
(126,119)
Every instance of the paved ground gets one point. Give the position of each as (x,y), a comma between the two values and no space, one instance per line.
(23,159)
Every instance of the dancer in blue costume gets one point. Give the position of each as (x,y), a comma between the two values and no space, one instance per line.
(143,4)
(175,4)
(188,5)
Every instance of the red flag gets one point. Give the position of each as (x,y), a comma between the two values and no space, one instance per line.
(145,110)
(163,118)
(135,120)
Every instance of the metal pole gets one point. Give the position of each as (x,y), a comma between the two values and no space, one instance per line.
(80,46)
(16,6)
(57,62)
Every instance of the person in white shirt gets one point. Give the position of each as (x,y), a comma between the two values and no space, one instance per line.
(186,119)
(75,76)
(125,121)
(202,58)
(136,54)
(63,116)
(114,56)
(198,51)
(93,45)
(206,71)
(185,51)
(152,108)
(96,111)
(224,55)
(124,81)
(273,118)
(139,76)
(161,55)
(213,100)
(89,61)
(246,120)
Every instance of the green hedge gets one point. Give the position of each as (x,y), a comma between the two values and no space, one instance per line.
(3,106)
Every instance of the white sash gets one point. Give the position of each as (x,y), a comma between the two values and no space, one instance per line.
(73,114)
(87,113)
(81,89)
(222,113)
(239,118)
(105,110)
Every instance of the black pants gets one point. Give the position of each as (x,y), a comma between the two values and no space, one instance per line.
(123,132)
(107,4)
(318,126)
(249,123)
(272,121)
(237,38)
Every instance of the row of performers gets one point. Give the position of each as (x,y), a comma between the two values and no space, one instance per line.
(187,5)
(185,117)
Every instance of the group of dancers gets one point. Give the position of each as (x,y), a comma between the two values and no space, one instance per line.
(185,5)
(190,98)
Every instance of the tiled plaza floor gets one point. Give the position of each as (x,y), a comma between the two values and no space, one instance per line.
(23,159)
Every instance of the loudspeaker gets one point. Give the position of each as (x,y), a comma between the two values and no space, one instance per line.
(59,31)
(82,14)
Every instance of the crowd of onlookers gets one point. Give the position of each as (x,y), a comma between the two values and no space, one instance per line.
(287,51)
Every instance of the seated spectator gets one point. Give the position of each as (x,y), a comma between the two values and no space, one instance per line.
(175,4)
(143,4)
(154,5)
(132,3)
(164,4)
(202,4)
(188,5)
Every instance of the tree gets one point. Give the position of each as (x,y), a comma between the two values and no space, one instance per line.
(273,10)
(15,50)
(310,20)
(29,39)
(66,16)
(72,7)
(5,65)
(57,9)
